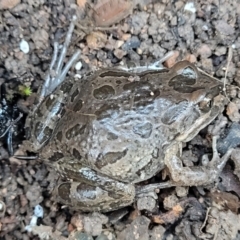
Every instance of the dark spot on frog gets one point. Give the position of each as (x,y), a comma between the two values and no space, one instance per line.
(64,191)
(59,136)
(173,113)
(123,203)
(54,106)
(78,105)
(111,136)
(39,113)
(155,153)
(56,156)
(109,158)
(42,134)
(136,86)
(114,74)
(66,86)
(107,111)
(180,80)
(75,131)
(76,154)
(49,102)
(103,92)
(144,130)
(189,72)
(76,92)
(118,82)
(147,109)
(86,191)
(114,194)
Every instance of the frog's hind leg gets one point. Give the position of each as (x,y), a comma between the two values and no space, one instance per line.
(199,175)
(90,190)
(57,72)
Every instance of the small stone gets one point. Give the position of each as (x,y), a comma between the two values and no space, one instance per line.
(38,211)
(224,28)
(204,51)
(119,43)
(146,203)
(220,50)
(102,237)
(207,65)
(190,7)
(126,36)
(139,51)
(181,191)
(231,140)
(171,60)
(138,229)
(233,112)
(82,236)
(8,4)
(119,53)
(157,232)
(170,201)
(191,58)
(93,223)
(131,43)
(78,65)
(24,46)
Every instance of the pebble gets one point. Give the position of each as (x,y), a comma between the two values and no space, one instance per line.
(102,237)
(204,51)
(190,7)
(131,43)
(24,46)
(7,4)
(119,53)
(78,65)
(82,236)
(172,60)
(146,203)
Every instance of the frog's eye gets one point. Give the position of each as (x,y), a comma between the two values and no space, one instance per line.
(206,104)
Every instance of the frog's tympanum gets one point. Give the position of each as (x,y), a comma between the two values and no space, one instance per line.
(111,130)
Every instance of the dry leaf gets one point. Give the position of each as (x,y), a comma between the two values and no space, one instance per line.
(169,217)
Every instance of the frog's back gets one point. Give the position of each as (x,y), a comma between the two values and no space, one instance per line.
(118,127)
(113,125)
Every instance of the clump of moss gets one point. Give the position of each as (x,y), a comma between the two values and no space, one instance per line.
(25,90)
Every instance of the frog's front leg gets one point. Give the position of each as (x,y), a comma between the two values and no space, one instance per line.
(41,123)
(90,190)
(199,175)
(57,72)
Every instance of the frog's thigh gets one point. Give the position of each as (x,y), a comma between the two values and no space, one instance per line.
(193,176)
(95,192)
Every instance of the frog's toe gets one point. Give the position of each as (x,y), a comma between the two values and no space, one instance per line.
(197,175)
(57,72)
(217,163)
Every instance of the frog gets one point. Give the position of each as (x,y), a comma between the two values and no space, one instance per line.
(110,131)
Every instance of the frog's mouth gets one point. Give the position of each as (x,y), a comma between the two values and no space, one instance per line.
(203,121)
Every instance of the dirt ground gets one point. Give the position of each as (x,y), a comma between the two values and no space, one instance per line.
(206,32)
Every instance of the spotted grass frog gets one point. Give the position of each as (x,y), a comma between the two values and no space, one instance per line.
(116,128)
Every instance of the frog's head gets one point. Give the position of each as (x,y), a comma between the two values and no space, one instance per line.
(198,101)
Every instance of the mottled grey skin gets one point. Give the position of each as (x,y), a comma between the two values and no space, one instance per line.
(105,133)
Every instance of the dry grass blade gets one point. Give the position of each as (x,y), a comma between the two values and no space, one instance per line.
(229,59)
